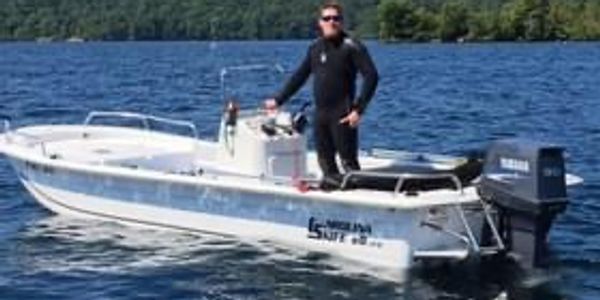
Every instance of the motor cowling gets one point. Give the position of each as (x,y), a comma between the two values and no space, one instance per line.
(525,181)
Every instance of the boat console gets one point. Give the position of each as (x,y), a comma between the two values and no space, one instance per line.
(255,143)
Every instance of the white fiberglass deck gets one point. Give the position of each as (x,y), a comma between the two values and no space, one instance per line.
(140,176)
(168,157)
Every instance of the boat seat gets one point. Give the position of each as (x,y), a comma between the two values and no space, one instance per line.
(466,173)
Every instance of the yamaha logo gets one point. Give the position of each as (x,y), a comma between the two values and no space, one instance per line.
(513,164)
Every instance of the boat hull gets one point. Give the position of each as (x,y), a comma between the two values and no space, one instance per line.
(374,235)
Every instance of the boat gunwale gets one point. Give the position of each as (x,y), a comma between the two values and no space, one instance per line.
(379,199)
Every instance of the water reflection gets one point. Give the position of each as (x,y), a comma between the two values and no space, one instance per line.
(220,267)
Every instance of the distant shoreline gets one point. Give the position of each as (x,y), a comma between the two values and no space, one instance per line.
(380,41)
(390,21)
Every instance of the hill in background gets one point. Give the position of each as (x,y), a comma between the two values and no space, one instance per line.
(391,20)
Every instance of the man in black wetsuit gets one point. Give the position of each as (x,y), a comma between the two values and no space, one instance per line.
(334,60)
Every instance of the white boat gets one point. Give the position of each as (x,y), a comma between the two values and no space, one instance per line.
(258,181)
(253,185)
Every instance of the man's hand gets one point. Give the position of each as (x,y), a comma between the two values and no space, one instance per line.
(352,119)
(271,105)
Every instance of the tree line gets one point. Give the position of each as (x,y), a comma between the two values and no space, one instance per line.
(513,20)
(167,19)
(391,20)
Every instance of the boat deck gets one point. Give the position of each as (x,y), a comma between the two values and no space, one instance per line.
(167,157)
(105,150)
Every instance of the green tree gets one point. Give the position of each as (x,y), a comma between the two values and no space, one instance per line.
(453,21)
(525,20)
(484,26)
(427,25)
(397,19)
(417,20)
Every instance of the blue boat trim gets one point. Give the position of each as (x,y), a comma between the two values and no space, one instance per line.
(122,219)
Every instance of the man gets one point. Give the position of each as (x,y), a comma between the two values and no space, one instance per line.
(334,60)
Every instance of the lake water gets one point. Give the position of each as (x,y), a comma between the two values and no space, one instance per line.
(433,98)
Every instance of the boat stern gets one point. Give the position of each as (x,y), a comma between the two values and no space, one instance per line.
(527,184)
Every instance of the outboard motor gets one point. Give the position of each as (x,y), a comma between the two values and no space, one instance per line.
(525,181)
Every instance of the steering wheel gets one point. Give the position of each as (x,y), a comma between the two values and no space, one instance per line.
(298,125)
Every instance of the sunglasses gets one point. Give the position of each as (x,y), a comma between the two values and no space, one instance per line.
(336,19)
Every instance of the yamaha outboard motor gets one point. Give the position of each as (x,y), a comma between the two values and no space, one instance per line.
(525,181)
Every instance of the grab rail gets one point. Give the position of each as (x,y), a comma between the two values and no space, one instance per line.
(245,68)
(32,139)
(10,134)
(416,156)
(402,177)
(145,119)
(452,177)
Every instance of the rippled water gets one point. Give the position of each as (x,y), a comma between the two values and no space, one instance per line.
(434,98)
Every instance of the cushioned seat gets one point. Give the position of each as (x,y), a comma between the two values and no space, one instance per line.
(465,173)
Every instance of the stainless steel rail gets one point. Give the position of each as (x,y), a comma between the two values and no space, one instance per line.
(488,217)
(246,68)
(402,177)
(145,119)
(412,156)
(31,139)
(468,237)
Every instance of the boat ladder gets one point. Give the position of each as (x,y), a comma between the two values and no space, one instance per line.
(473,247)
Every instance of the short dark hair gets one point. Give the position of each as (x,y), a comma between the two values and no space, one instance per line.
(332,5)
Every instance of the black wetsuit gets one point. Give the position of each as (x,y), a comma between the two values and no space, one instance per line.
(334,64)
